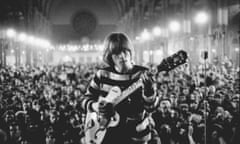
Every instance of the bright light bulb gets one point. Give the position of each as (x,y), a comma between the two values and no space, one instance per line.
(174,26)
(157,31)
(22,37)
(214,50)
(11,33)
(145,35)
(237,49)
(12,51)
(201,18)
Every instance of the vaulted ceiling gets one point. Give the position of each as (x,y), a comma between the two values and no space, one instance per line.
(75,19)
(67,16)
(85,18)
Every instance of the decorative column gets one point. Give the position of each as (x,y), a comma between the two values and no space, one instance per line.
(187,23)
(165,19)
(222,17)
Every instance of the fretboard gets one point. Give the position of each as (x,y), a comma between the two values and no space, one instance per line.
(128,91)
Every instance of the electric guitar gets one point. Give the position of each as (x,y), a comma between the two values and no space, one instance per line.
(96,125)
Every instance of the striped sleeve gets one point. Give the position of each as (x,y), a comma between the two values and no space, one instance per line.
(149,94)
(93,92)
(150,102)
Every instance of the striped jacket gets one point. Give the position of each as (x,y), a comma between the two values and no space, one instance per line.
(107,77)
(132,108)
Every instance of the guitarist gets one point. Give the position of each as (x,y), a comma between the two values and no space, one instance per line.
(133,126)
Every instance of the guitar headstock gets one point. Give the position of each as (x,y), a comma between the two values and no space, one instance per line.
(173,61)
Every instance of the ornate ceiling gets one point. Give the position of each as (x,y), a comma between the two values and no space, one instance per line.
(84,18)
(74,19)
(70,19)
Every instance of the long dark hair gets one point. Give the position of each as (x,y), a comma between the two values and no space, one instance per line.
(116,43)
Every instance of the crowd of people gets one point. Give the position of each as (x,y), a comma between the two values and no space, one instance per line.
(197,104)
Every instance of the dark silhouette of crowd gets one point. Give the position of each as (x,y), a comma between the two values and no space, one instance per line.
(197,104)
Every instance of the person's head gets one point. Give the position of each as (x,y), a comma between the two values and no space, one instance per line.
(194,96)
(193,105)
(181,98)
(9,116)
(186,91)
(173,98)
(218,98)
(118,51)
(165,105)
(184,107)
(235,101)
(212,89)
(26,105)
(14,131)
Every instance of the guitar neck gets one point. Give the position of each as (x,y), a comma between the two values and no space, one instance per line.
(129,91)
(167,64)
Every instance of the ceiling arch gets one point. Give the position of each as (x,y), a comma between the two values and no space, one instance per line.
(107,13)
(62,10)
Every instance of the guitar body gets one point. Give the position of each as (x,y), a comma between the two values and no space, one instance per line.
(95,128)
(91,127)
(94,132)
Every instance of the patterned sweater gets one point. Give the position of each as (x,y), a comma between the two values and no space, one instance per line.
(132,109)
